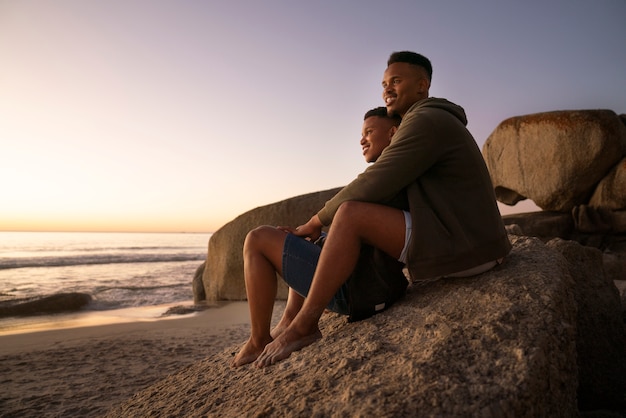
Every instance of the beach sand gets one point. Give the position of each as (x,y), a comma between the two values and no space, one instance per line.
(87,370)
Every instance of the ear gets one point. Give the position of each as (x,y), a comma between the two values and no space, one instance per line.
(424,85)
(392,132)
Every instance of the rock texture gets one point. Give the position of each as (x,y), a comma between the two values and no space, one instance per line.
(499,344)
(557,158)
(544,224)
(611,191)
(599,229)
(601,338)
(197,286)
(223,273)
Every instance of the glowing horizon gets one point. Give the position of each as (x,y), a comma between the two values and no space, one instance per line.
(189,226)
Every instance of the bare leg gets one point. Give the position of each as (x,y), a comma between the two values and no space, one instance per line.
(294,304)
(354,223)
(262,253)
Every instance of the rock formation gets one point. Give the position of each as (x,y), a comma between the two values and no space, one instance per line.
(572,164)
(558,158)
(58,303)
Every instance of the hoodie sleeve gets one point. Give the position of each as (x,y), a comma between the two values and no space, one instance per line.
(413,150)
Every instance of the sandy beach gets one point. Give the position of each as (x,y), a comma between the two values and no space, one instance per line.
(87,370)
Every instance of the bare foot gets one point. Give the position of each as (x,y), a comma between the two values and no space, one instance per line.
(248,353)
(280,327)
(277,330)
(286,343)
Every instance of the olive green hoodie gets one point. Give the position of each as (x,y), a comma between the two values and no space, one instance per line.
(434,161)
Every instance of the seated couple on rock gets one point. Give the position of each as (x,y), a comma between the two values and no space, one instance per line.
(426,201)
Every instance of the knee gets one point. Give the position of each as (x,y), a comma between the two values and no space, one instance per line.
(348,210)
(265,240)
(353,216)
(257,236)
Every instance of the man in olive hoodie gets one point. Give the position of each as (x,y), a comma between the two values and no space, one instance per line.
(449,224)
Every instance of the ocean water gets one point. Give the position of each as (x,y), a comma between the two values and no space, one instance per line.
(119,270)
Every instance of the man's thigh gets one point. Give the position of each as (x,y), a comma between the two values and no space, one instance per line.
(381,226)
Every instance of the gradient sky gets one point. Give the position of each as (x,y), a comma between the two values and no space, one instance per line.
(180,115)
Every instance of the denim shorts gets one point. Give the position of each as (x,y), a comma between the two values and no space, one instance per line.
(299,262)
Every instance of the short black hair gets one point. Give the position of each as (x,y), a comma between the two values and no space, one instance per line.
(381,112)
(414,58)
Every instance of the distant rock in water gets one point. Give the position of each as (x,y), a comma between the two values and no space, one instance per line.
(184,310)
(61,302)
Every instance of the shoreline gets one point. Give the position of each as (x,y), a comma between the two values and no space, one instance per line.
(84,318)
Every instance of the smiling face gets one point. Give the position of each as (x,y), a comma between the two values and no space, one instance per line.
(375,136)
(403,85)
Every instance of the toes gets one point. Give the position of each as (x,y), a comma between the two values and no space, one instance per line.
(267,357)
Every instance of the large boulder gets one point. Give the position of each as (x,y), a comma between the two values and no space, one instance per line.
(223,274)
(554,158)
(499,344)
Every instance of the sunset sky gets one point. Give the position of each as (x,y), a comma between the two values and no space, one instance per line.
(152,115)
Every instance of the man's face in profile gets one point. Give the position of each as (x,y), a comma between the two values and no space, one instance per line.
(403,85)
(375,136)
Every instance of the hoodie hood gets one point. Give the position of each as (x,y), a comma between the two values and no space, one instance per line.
(443,104)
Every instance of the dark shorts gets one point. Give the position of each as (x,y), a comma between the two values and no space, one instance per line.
(299,262)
